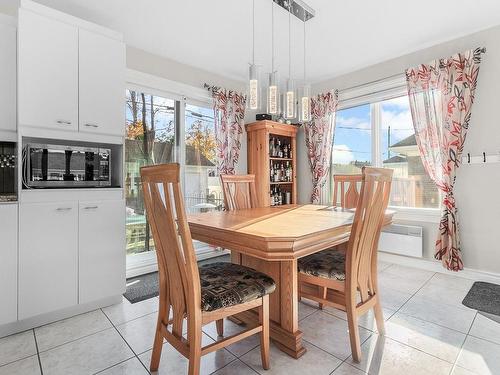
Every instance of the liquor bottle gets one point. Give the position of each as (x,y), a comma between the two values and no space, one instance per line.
(271,147)
(282,173)
(271,201)
(280,150)
(280,197)
(276,173)
(287,172)
(289,150)
(285,151)
(271,172)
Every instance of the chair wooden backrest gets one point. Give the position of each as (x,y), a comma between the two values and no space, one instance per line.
(179,280)
(348,186)
(239,191)
(361,259)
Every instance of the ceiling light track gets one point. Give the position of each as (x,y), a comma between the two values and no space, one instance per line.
(298,8)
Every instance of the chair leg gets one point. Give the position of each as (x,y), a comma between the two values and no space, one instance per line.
(157,347)
(323,290)
(352,320)
(194,350)
(220,327)
(264,335)
(379,317)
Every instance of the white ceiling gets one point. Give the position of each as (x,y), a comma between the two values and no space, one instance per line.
(344,36)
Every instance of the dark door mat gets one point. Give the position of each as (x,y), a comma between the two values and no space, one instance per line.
(144,287)
(484,297)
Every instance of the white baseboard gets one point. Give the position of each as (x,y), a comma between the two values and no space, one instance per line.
(40,320)
(436,266)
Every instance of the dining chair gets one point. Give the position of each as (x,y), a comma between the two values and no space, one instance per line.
(198,295)
(239,191)
(348,186)
(350,278)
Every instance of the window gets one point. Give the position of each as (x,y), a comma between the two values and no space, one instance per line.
(155,134)
(352,148)
(150,139)
(202,187)
(381,134)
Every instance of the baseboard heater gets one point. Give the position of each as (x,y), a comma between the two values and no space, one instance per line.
(401,240)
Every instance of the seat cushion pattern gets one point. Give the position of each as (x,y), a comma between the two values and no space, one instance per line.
(329,264)
(228,284)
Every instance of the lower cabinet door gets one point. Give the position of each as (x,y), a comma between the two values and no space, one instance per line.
(102,253)
(8,263)
(48,257)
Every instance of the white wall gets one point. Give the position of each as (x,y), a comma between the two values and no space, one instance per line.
(477,185)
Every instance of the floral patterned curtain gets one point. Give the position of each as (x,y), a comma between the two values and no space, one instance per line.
(441,96)
(319,134)
(229,114)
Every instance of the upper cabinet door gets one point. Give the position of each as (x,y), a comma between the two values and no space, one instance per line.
(102,84)
(8,75)
(48,72)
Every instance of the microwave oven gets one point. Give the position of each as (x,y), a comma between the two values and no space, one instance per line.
(59,166)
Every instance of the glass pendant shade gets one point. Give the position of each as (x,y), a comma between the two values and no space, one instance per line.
(273,94)
(254,83)
(305,104)
(290,99)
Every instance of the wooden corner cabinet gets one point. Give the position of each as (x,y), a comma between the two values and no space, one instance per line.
(272,158)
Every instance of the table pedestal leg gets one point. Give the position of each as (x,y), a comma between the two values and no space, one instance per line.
(284,330)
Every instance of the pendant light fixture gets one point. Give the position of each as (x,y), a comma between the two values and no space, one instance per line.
(273,94)
(290,97)
(305,95)
(253,72)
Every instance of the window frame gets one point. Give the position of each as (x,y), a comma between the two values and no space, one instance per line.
(181,94)
(374,93)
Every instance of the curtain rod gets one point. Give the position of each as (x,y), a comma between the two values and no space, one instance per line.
(481,50)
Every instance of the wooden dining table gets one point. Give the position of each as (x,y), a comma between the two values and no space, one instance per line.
(270,240)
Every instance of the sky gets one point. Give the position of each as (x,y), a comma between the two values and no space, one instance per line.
(352,139)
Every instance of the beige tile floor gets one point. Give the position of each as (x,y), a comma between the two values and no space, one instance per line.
(428,331)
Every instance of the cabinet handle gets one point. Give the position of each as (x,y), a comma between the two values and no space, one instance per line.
(64,122)
(91,208)
(63,209)
(91,125)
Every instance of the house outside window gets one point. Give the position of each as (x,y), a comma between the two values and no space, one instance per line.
(380,133)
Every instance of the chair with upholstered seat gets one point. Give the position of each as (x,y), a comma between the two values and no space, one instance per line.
(345,186)
(348,280)
(239,191)
(196,295)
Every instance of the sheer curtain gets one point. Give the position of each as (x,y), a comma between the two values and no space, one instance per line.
(441,95)
(319,134)
(229,114)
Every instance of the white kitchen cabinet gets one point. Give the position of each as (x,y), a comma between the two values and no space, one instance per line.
(8,61)
(47,72)
(8,263)
(101,84)
(48,257)
(101,249)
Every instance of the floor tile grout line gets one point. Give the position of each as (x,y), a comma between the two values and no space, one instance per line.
(131,320)
(427,321)
(126,342)
(73,340)
(37,352)
(463,343)
(116,364)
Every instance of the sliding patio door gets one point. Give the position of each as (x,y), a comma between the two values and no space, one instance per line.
(164,128)
(202,188)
